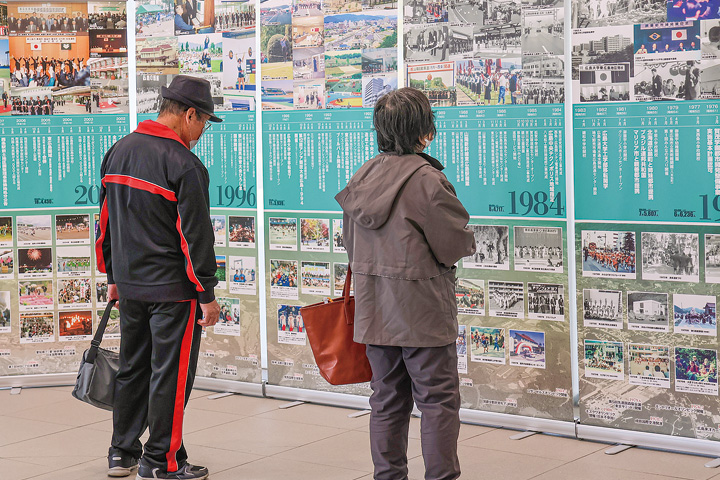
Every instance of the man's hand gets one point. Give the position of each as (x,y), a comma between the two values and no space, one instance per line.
(211,314)
(113,292)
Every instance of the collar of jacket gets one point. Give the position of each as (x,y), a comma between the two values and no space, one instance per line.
(156,129)
(433,161)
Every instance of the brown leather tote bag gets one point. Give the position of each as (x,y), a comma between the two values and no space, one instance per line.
(330,329)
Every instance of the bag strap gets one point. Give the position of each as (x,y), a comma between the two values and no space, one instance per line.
(95,343)
(349,315)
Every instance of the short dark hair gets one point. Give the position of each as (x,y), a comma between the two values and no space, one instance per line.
(401,118)
(172,107)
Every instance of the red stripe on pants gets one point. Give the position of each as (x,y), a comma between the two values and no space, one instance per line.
(179,408)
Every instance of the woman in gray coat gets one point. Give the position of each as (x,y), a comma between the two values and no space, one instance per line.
(404,230)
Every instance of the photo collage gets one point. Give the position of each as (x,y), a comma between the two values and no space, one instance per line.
(667,297)
(63,58)
(660,51)
(526,281)
(491,52)
(307,264)
(210,39)
(319,54)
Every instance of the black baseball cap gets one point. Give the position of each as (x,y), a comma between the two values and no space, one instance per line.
(193,92)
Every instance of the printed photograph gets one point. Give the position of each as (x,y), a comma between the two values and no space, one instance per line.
(291,328)
(200,54)
(425,11)
(218,224)
(148,90)
(710,39)
(282,233)
(608,254)
(277,94)
(341,6)
(667,80)
(33,230)
(314,235)
(492,248)
(664,40)
(670,256)
(276,12)
(487,345)
(461,42)
(155,19)
(690,10)
(112,331)
(109,85)
(343,79)
(379,61)
(159,55)
(309,94)
(339,278)
(604,360)
(488,81)
(75,326)
(239,72)
(307,8)
(695,314)
(234,16)
(221,271)
(712,258)
(35,295)
(426,43)
(108,43)
(527,349)
(229,322)
(308,32)
(602,64)
(309,63)
(75,293)
(542,79)
(696,371)
(315,277)
(436,81)
(194,17)
(369,29)
(283,279)
(649,365)
(647,311)
(546,301)
(35,262)
(470,296)
(276,52)
(241,232)
(73,261)
(373,88)
(597,13)
(338,243)
(7,263)
(491,12)
(461,348)
(543,31)
(242,273)
(506,299)
(37,327)
(5,315)
(6,232)
(602,308)
(101,291)
(538,249)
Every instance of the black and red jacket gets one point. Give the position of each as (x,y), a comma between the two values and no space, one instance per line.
(155,239)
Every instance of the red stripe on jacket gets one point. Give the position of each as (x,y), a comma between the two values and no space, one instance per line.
(100,258)
(140,184)
(156,129)
(186,251)
(179,407)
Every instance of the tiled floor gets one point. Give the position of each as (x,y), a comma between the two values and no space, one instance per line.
(47,435)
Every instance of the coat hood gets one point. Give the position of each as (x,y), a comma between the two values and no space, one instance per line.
(369,196)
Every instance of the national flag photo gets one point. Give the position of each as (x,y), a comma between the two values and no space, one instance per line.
(679,34)
(36,46)
(603,77)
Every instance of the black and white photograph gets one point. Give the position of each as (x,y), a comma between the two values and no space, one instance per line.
(667,80)
(291,328)
(427,43)
(148,91)
(543,31)
(242,274)
(602,64)
(710,39)
(461,42)
(546,301)
(470,296)
(538,249)
(670,256)
(425,11)
(712,258)
(501,41)
(649,365)
(607,82)
(542,80)
(607,253)
(602,308)
(315,278)
(492,243)
(648,311)
(596,13)
(695,314)
(506,299)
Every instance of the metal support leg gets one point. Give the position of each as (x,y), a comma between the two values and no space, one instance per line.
(521,435)
(290,405)
(15,390)
(617,449)
(220,395)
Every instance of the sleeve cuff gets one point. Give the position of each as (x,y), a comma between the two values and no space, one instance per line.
(206,297)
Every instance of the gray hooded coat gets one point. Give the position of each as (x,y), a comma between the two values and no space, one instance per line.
(404,229)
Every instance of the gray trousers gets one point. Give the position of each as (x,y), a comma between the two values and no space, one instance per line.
(429,376)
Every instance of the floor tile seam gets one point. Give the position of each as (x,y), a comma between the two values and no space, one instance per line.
(364,472)
(349,429)
(527,454)
(51,468)
(70,427)
(309,443)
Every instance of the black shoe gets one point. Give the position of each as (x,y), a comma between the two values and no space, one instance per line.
(121,466)
(187,472)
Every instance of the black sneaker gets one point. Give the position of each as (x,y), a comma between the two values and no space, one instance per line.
(187,472)
(121,466)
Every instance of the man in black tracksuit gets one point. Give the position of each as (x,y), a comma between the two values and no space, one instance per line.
(155,242)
